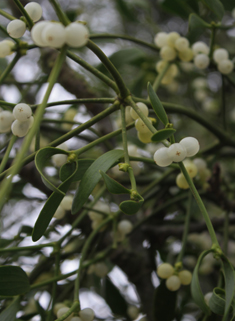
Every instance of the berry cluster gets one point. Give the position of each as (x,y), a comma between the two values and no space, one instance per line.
(86,314)
(192,170)
(144,134)
(65,205)
(19,121)
(177,152)
(174,278)
(224,64)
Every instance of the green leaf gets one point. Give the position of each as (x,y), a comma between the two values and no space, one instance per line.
(114,298)
(217,301)
(229,284)
(113,186)
(196,26)
(196,291)
(51,206)
(5,242)
(180,8)
(13,281)
(157,105)
(164,303)
(131,207)
(9,314)
(42,156)
(125,10)
(163,134)
(66,170)
(92,177)
(216,7)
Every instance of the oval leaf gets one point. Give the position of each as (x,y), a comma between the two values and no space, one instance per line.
(162,134)
(113,186)
(66,170)
(195,285)
(13,281)
(92,177)
(164,303)
(216,7)
(51,206)
(131,207)
(196,26)
(157,105)
(42,156)
(229,284)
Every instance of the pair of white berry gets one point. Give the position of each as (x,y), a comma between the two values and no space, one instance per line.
(86,314)
(16,28)
(192,170)
(171,73)
(177,152)
(65,205)
(144,134)
(201,51)
(56,35)
(174,279)
(23,120)
(224,64)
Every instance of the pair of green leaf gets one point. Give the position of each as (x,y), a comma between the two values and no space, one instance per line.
(217,303)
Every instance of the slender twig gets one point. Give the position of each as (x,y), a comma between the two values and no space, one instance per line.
(7,153)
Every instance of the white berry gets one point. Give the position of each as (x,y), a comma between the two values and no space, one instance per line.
(22,112)
(172,38)
(161,157)
(201,61)
(177,152)
(165,270)
(140,126)
(101,270)
(66,202)
(191,145)
(59,160)
(53,35)
(160,39)
(168,53)
(200,47)
(19,128)
(191,168)
(186,55)
(58,306)
(6,119)
(76,35)
(225,66)
(36,33)
(6,48)
(62,311)
(16,28)
(220,54)
(34,10)
(125,226)
(185,277)
(181,181)
(87,314)
(200,163)
(142,107)
(207,297)
(173,283)
(181,44)
(59,213)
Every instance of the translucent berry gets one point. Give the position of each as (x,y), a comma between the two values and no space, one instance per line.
(36,33)
(16,28)
(186,55)
(87,314)
(200,47)
(200,163)
(181,44)
(6,48)
(101,269)
(142,107)
(125,226)
(181,181)
(191,168)
(66,202)
(220,54)
(165,270)
(58,306)
(160,39)
(177,152)
(133,312)
(162,158)
(76,35)
(59,160)
(185,277)
(22,112)
(207,297)
(168,53)
(6,119)
(172,38)
(140,126)
(59,213)
(173,283)
(191,145)
(225,66)
(62,311)
(201,61)
(145,137)
(20,128)
(34,10)
(53,34)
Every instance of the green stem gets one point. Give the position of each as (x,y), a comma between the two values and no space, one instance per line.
(9,68)
(6,15)
(226,233)
(158,80)
(24,13)
(7,183)
(200,205)
(124,92)
(26,248)
(93,70)
(223,110)
(7,153)
(60,13)
(186,229)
